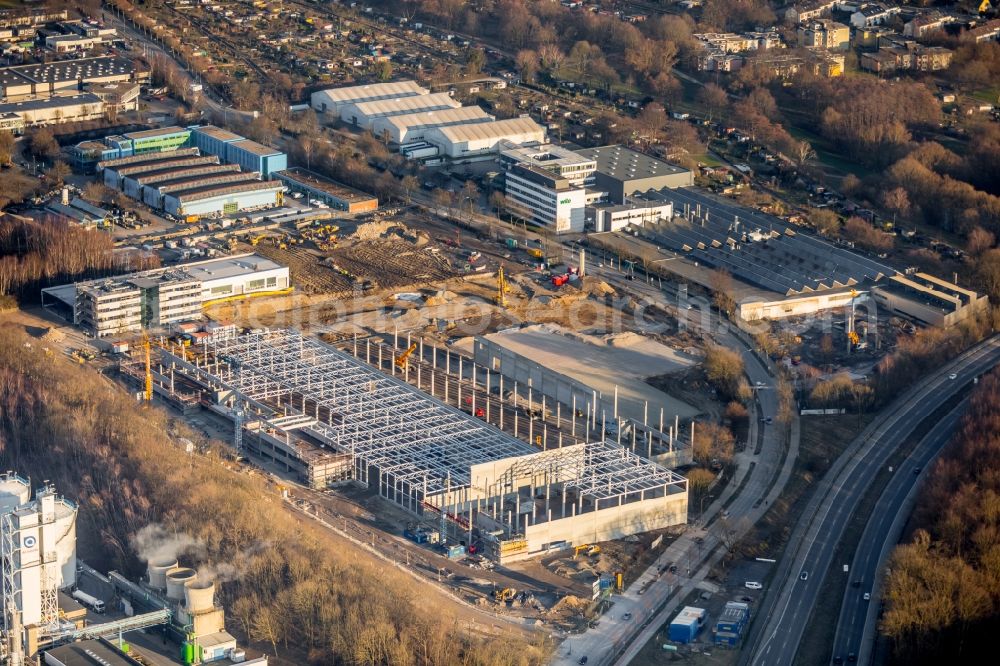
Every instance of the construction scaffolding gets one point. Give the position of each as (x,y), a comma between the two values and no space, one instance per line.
(429,457)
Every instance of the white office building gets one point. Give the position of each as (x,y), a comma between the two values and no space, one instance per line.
(545,184)
(151,299)
(546,199)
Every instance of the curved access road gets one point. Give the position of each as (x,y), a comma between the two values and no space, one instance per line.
(858,616)
(777,631)
(640,611)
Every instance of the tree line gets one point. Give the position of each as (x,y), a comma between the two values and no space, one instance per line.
(48,251)
(943,587)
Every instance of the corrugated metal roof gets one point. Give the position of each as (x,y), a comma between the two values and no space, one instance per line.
(440,117)
(250,146)
(146,157)
(201,193)
(497,129)
(160,131)
(402,105)
(370,91)
(181,184)
(216,133)
(163,165)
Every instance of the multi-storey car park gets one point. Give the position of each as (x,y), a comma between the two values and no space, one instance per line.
(330,417)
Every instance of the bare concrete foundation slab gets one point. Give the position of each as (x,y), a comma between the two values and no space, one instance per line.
(562,364)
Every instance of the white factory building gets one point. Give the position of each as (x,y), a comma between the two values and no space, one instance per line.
(431,126)
(410,127)
(635,211)
(364,114)
(476,139)
(38,538)
(53,110)
(155,298)
(329,102)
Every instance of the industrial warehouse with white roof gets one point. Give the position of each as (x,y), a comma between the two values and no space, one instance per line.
(474,139)
(364,114)
(332,100)
(423,124)
(411,127)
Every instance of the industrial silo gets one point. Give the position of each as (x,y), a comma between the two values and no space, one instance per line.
(14,491)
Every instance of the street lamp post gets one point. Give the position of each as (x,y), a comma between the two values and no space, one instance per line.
(701,505)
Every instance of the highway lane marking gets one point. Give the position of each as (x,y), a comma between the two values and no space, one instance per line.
(986,349)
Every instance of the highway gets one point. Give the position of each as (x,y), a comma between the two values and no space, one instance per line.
(775,636)
(858,616)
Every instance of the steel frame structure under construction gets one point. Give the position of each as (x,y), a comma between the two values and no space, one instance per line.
(430,456)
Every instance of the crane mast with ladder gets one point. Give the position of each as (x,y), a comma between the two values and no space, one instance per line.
(147,393)
(502,288)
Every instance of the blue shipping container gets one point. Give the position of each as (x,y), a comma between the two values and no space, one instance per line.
(687,624)
(683,632)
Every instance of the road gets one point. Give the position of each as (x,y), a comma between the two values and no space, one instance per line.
(152,47)
(654,595)
(858,616)
(775,636)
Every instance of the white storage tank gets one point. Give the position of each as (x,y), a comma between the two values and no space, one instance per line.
(14,491)
(60,536)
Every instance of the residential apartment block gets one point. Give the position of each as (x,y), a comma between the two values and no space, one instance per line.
(904,55)
(824,34)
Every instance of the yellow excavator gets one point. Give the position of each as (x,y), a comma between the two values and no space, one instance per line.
(506,594)
(985,7)
(402,359)
(502,288)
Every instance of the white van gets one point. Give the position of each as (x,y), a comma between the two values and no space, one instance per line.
(752,585)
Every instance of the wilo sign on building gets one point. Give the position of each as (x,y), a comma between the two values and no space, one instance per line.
(565,201)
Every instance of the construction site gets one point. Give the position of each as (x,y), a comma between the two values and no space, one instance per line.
(331,417)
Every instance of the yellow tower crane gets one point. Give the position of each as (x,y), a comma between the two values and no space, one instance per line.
(148,388)
(502,288)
